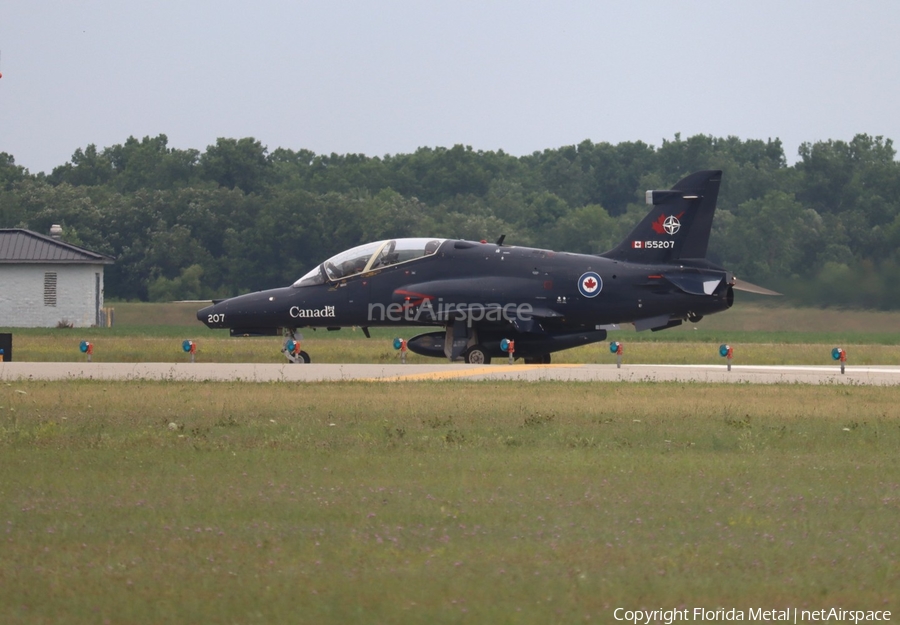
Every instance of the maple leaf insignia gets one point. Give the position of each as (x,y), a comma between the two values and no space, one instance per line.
(658,225)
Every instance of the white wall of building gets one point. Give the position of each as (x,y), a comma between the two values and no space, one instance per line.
(22,295)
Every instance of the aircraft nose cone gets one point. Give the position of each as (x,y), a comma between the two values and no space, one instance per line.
(204,314)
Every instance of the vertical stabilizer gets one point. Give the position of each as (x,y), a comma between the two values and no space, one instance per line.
(678,225)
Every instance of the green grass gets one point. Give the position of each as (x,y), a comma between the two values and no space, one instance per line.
(139,348)
(773,335)
(441,502)
(38,348)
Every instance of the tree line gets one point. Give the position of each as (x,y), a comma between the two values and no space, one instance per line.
(186,224)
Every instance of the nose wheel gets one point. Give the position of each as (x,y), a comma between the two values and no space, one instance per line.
(291,349)
(301,358)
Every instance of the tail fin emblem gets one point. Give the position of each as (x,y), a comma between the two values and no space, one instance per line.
(667,225)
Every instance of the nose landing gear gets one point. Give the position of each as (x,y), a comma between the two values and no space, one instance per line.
(291,349)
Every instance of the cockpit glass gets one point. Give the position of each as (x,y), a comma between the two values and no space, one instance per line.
(370,257)
(351,261)
(311,278)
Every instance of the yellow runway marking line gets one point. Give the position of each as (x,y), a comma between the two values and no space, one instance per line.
(463,373)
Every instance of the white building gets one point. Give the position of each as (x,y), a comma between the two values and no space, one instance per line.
(45,282)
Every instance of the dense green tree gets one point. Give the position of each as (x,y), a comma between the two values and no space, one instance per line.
(182,223)
(767,237)
(348,173)
(594,173)
(587,230)
(151,164)
(236,164)
(188,285)
(87,167)
(839,175)
(10,173)
(433,175)
(80,210)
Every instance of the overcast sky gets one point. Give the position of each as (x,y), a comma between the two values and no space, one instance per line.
(387,77)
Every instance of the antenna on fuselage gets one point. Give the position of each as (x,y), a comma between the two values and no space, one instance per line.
(500,240)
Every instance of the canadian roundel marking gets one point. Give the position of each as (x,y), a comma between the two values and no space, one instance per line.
(590,284)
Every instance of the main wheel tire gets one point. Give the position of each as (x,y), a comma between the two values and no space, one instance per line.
(477,356)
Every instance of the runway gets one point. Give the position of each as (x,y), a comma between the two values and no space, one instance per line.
(291,373)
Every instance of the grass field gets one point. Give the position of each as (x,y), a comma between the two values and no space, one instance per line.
(442,502)
(447,502)
(760,335)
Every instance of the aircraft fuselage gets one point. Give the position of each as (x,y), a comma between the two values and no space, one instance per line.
(485,285)
(480,293)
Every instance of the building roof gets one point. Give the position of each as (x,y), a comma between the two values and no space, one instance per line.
(24,246)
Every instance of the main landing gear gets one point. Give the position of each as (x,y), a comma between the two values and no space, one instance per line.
(291,348)
(477,355)
(464,343)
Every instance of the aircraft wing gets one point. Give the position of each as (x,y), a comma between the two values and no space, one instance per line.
(497,305)
(477,309)
(497,299)
(524,318)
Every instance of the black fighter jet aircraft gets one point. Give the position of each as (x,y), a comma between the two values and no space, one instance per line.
(479,294)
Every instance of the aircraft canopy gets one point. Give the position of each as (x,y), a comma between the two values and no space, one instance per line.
(369,257)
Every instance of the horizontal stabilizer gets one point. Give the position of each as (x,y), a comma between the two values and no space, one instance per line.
(695,283)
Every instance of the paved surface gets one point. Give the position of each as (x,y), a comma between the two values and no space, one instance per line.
(745,374)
